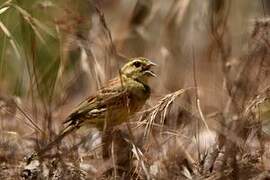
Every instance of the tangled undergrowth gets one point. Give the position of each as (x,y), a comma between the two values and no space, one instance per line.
(209,113)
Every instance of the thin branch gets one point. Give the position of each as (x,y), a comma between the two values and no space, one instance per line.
(103,21)
(29,119)
(198,104)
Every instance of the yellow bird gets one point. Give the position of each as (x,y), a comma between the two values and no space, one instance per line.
(113,104)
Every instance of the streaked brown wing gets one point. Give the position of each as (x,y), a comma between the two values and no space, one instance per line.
(106,97)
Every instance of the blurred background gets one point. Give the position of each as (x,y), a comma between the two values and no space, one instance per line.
(55,53)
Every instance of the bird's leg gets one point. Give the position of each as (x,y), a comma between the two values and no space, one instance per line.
(106,141)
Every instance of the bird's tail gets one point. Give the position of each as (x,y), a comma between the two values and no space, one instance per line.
(67,130)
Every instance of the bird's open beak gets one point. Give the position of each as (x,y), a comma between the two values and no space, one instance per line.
(152,64)
(148,69)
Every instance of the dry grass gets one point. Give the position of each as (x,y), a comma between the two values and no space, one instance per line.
(208,116)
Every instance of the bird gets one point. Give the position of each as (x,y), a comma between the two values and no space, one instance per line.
(113,104)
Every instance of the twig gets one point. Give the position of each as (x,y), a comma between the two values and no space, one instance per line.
(198,104)
(29,119)
(103,21)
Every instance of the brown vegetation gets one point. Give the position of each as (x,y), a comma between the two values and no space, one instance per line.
(209,113)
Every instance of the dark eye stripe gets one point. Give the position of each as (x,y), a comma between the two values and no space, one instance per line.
(137,64)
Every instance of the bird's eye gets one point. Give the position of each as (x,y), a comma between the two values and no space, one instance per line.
(137,64)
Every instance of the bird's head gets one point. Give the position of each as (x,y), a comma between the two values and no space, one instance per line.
(139,69)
